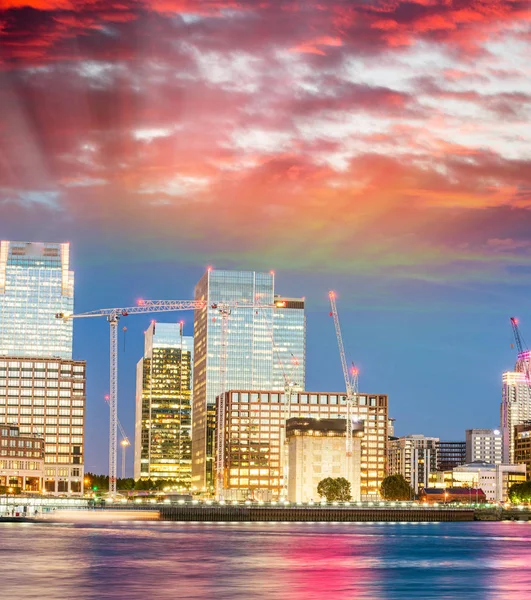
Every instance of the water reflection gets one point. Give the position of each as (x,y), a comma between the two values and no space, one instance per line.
(266,560)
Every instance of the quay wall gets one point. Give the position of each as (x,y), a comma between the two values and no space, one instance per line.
(206,512)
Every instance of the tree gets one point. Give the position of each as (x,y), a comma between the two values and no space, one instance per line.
(334,489)
(520,492)
(396,487)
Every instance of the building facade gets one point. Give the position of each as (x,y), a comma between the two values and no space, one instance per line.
(21,461)
(163,441)
(255,450)
(289,349)
(47,397)
(249,349)
(450,455)
(484,445)
(522,445)
(36,283)
(414,457)
(515,409)
(494,480)
(316,450)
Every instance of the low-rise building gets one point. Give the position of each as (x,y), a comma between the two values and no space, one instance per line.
(317,450)
(415,458)
(484,445)
(494,480)
(452,494)
(21,460)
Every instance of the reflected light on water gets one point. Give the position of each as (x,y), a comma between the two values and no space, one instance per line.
(277,561)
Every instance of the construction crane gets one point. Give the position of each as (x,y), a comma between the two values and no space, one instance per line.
(113,315)
(225,312)
(523,351)
(351,379)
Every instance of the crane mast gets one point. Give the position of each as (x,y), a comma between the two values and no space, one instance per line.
(125,440)
(351,379)
(225,312)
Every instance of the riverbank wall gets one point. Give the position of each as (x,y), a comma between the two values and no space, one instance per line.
(241,513)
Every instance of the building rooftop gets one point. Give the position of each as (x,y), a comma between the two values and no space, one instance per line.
(320,425)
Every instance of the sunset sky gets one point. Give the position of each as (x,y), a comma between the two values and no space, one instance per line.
(381,148)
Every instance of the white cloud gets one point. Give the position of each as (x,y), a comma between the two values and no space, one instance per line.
(179,185)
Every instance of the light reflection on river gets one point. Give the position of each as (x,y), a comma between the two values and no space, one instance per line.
(299,561)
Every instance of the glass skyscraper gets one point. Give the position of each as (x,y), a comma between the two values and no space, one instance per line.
(42,390)
(289,333)
(163,405)
(35,283)
(251,351)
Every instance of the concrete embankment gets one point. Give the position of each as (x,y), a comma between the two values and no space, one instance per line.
(207,512)
(503,514)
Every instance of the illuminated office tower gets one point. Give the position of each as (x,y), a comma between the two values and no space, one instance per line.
(42,390)
(248,350)
(35,284)
(163,405)
(515,409)
(258,341)
(289,334)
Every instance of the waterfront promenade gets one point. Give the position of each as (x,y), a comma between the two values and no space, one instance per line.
(76,510)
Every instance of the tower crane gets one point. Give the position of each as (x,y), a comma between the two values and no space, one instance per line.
(351,379)
(523,351)
(113,315)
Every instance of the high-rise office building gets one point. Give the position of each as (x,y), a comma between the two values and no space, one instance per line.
(35,283)
(46,396)
(484,445)
(250,349)
(415,458)
(42,390)
(289,334)
(254,448)
(515,409)
(163,442)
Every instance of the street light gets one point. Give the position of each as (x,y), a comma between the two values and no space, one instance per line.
(124,443)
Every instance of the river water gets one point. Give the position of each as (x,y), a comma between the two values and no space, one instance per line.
(299,561)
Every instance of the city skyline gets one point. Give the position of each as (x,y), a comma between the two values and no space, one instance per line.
(97,370)
(379,149)
(329,202)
